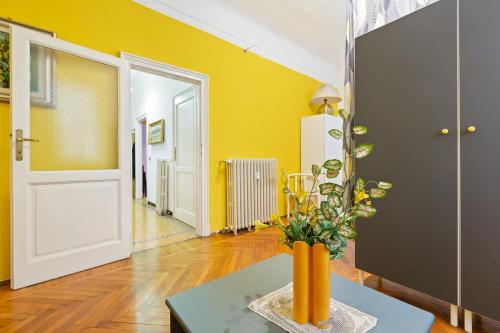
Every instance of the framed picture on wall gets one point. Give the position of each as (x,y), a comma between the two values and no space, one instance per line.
(4,63)
(156,132)
(42,71)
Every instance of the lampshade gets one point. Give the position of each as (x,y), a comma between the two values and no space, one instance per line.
(326,92)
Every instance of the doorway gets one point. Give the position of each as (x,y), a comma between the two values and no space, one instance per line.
(165,111)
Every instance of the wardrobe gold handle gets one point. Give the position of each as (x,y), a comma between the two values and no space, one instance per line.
(471,129)
(444,131)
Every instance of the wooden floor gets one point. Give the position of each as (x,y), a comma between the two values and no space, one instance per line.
(149,230)
(128,296)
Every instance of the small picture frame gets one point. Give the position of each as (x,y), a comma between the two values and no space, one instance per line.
(4,62)
(156,132)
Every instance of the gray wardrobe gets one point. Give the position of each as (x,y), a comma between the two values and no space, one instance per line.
(438,230)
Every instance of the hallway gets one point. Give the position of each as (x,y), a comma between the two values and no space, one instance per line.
(150,230)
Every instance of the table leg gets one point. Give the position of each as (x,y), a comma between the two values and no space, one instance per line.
(454,315)
(467,321)
(175,327)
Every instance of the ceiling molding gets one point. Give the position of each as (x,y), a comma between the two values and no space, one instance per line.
(303,61)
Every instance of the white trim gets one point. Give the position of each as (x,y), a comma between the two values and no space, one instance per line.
(148,65)
(459,169)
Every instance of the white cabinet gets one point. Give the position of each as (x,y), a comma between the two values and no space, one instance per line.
(317,145)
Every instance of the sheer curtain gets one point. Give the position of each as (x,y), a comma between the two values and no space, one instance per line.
(362,17)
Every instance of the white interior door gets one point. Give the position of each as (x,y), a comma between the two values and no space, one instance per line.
(71,190)
(185,141)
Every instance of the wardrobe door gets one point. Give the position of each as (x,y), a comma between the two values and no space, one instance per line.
(406,93)
(480,155)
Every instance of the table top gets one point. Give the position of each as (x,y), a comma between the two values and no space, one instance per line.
(221,305)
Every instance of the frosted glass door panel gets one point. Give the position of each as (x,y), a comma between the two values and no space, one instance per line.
(73,112)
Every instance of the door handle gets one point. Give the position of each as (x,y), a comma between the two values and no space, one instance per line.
(445,131)
(26,139)
(19,144)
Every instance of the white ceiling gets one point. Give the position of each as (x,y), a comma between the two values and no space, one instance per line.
(305,35)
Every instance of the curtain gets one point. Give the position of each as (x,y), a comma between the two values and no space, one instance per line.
(362,17)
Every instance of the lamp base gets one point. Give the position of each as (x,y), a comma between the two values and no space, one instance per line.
(327,109)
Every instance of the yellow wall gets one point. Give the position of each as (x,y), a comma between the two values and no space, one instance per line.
(255,104)
(4,191)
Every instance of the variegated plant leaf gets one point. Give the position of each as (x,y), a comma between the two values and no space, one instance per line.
(316,170)
(348,232)
(363,150)
(335,133)
(360,184)
(333,164)
(339,189)
(360,130)
(334,200)
(344,114)
(326,188)
(384,185)
(332,173)
(378,193)
(328,212)
(364,211)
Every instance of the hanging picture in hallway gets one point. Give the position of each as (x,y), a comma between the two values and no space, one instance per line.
(156,132)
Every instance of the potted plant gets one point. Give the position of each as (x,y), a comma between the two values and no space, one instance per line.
(317,234)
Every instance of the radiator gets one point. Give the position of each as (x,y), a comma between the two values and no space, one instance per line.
(251,191)
(162,187)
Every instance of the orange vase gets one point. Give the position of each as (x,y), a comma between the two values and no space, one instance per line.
(320,285)
(301,278)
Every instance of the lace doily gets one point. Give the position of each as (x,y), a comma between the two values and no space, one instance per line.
(277,308)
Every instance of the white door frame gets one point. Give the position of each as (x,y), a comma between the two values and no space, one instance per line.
(139,120)
(159,68)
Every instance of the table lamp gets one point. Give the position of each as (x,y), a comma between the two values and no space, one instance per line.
(326,95)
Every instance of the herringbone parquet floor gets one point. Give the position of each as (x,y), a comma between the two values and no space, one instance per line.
(128,296)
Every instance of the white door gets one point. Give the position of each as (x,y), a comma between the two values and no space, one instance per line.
(71,190)
(185,141)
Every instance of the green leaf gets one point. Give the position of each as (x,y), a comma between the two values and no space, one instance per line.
(360,184)
(334,200)
(344,114)
(333,164)
(364,211)
(335,133)
(316,170)
(377,193)
(348,232)
(384,185)
(326,188)
(363,150)
(339,189)
(325,210)
(332,173)
(360,130)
